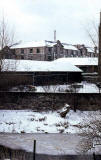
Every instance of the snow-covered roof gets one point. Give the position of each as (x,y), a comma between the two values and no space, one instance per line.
(70,47)
(34,44)
(43,44)
(64,66)
(79,61)
(38,66)
(90,49)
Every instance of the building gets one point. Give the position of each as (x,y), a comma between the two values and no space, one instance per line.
(44,50)
(49,50)
(85,51)
(38,72)
(87,64)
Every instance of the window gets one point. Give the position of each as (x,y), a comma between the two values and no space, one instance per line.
(38,50)
(22,57)
(49,49)
(22,51)
(31,50)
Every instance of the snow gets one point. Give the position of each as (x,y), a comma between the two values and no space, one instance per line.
(43,43)
(32,44)
(47,144)
(90,49)
(85,88)
(32,66)
(83,118)
(27,121)
(70,47)
(88,88)
(64,66)
(79,61)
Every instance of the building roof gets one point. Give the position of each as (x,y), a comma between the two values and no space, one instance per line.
(43,44)
(34,44)
(79,61)
(90,49)
(38,66)
(69,47)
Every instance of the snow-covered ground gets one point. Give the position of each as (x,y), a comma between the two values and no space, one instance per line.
(88,88)
(84,87)
(20,121)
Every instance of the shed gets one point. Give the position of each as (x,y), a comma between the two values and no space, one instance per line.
(42,72)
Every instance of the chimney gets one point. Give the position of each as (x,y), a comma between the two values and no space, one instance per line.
(54,35)
(99,46)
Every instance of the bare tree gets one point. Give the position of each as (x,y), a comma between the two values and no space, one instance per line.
(92,32)
(7,38)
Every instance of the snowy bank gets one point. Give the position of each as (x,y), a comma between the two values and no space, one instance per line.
(17,121)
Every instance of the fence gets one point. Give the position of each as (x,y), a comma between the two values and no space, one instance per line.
(11,154)
(6,153)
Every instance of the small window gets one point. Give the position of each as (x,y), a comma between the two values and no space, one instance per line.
(49,49)
(31,50)
(22,57)
(38,50)
(22,50)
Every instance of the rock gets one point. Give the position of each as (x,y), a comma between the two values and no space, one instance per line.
(63,114)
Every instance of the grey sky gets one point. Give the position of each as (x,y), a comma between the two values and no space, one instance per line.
(37,19)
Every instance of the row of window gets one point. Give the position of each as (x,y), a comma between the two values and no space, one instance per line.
(31,50)
(49,49)
(66,52)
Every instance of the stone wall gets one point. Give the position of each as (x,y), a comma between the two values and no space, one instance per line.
(49,101)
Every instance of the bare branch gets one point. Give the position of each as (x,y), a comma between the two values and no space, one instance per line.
(91,30)
(7,39)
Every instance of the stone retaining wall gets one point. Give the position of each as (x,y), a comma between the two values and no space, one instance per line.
(49,101)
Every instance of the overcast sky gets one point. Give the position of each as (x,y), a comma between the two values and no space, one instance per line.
(37,19)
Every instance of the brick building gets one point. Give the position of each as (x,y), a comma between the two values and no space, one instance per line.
(49,50)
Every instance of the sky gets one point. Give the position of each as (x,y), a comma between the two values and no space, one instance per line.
(36,20)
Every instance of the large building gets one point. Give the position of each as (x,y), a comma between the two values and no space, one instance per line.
(49,50)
